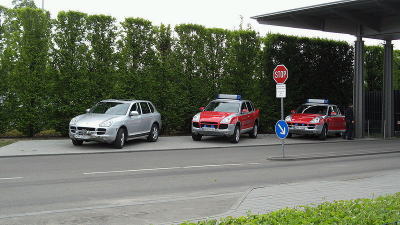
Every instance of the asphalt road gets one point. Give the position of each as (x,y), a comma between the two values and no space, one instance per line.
(165,186)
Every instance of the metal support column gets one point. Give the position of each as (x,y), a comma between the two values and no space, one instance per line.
(388,100)
(358,94)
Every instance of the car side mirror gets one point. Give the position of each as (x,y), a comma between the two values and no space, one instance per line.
(245,111)
(87,110)
(134,113)
(292,111)
(201,108)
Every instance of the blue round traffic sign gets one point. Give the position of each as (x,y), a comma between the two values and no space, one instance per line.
(281,129)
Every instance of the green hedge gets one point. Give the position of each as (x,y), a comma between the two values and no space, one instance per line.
(379,211)
(53,69)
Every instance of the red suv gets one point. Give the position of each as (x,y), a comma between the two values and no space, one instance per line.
(229,116)
(316,117)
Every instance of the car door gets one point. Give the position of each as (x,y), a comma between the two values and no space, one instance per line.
(134,122)
(252,115)
(146,117)
(244,117)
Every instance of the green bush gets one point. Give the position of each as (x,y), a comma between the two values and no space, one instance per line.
(379,211)
(48,133)
(12,133)
(53,69)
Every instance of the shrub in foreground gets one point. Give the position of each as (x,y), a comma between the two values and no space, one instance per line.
(381,210)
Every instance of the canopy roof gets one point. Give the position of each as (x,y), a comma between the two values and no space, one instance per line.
(378,19)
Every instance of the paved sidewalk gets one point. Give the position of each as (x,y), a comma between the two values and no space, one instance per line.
(262,200)
(64,146)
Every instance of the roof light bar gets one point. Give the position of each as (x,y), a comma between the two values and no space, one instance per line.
(321,101)
(225,96)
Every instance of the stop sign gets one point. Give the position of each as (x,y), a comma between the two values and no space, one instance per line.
(280,74)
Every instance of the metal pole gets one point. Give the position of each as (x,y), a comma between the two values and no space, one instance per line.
(43,4)
(368,128)
(384,129)
(283,140)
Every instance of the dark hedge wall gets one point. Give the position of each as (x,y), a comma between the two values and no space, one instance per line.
(52,70)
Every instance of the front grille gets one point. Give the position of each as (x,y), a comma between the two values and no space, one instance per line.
(101,131)
(73,129)
(87,128)
(203,124)
(223,126)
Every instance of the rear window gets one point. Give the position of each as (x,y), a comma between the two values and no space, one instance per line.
(151,107)
(145,107)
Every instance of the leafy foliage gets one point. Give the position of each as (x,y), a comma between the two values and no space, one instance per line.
(382,210)
(52,70)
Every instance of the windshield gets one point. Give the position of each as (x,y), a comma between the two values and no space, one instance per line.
(111,108)
(312,109)
(223,107)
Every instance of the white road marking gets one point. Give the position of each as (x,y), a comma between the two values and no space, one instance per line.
(170,168)
(11,178)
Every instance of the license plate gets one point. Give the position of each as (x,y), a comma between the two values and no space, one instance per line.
(78,136)
(208,129)
(300,127)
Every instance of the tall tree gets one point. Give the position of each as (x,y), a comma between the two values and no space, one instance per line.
(24,4)
(27,48)
(71,95)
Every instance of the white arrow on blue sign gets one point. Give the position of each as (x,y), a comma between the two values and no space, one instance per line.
(281,129)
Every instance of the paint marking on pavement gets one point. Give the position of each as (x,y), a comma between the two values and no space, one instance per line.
(171,168)
(11,178)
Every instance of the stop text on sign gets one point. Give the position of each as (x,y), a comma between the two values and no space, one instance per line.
(280,74)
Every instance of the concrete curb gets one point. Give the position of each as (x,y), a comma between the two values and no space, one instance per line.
(330,156)
(178,149)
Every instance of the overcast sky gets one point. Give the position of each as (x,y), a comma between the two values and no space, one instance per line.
(210,13)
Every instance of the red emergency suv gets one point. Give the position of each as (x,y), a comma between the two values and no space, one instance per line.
(229,116)
(316,117)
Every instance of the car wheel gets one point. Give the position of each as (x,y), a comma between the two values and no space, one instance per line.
(197,137)
(77,142)
(154,132)
(289,135)
(324,133)
(254,132)
(120,138)
(236,135)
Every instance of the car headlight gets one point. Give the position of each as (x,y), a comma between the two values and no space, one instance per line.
(73,121)
(316,120)
(227,119)
(196,118)
(106,123)
(288,119)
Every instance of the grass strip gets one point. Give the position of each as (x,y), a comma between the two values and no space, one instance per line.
(384,210)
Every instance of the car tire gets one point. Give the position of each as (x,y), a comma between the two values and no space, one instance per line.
(290,135)
(154,133)
(236,135)
(77,142)
(197,137)
(324,133)
(120,139)
(253,133)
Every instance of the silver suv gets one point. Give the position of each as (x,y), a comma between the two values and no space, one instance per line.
(115,122)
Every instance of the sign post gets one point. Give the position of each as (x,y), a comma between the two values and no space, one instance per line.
(280,76)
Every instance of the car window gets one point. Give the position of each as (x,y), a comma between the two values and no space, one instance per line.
(249,106)
(243,106)
(145,107)
(135,108)
(217,106)
(312,109)
(111,108)
(151,107)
